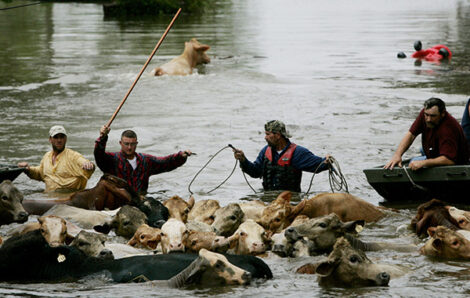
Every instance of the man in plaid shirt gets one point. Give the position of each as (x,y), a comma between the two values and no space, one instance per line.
(135,168)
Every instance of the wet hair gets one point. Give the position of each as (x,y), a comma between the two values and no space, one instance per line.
(434,101)
(129,134)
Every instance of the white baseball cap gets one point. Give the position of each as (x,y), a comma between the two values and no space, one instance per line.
(55,130)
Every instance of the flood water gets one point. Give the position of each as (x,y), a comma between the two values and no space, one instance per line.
(328,69)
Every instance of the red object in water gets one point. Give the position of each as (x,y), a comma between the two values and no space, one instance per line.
(433,54)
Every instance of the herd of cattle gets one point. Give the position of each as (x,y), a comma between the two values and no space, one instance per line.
(186,242)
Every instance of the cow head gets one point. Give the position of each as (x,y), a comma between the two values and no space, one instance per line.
(11,209)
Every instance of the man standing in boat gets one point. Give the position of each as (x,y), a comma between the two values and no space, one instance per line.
(442,139)
(135,168)
(280,163)
(61,168)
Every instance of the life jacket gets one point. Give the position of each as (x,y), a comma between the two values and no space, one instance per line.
(281,175)
(432,54)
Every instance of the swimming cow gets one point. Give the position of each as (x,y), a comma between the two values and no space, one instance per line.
(30,259)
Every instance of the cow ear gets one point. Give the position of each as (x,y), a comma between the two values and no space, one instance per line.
(191,202)
(297,210)
(355,226)
(285,195)
(202,47)
(69,238)
(132,242)
(431,231)
(325,268)
(105,228)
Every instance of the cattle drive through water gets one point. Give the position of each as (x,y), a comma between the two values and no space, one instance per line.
(203,243)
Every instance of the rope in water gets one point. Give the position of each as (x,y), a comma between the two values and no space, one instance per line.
(336,177)
(12,7)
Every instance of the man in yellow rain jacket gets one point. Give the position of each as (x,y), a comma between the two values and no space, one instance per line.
(61,168)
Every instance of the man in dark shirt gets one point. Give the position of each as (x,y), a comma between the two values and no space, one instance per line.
(442,138)
(280,163)
(135,168)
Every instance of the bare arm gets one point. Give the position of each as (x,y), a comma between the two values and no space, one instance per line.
(433,162)
(402,147)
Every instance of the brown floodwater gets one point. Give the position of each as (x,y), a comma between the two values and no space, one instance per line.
(328,69)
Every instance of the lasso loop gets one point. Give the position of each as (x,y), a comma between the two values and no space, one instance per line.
(233,170)
(335,177)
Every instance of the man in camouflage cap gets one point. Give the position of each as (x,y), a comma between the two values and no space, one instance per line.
(280,163)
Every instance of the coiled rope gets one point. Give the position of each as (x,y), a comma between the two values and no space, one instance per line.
(335,176)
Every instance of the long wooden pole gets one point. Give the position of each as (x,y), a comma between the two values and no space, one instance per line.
(143,68)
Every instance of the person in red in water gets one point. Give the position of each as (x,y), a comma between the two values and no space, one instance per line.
(435,54)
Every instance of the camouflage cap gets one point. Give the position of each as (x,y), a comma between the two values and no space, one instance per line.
(277,126)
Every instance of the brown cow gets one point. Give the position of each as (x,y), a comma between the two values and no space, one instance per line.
(249,239)
(432,214)
(349,267)
(462,217)
(447,244)
(110,192)
(179,208)
(146,237)
(203,211)
(195,241)
(193,55)
(52,228)
(280,213)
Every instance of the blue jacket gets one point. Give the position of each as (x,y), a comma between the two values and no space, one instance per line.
(302,160)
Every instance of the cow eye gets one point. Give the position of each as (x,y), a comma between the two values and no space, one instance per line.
(142,237)
(211,217)
(277,219)
(232,217)
(461,221)
(353,259)
(81,243)
(126,223)
(455,243)
(186,211)
(5,198)
(322,225)
(242,234)
(219,264)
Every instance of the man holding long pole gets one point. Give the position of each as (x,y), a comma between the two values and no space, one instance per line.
(135,168)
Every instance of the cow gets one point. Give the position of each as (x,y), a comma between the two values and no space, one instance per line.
(173,234)
(51,227)
(125,223)
(227,219)
(325,230)
(445,243)
(28,258)
(286,248)
(432,214)
(280,213)
(252,209)
(92,244)
(249,239)
(195,241)
(348,267)
(203,211)
(462,217)
(179,208)
(110,192)
(11,209)
(86,219)
(194,54)
(157,213)
(146,237)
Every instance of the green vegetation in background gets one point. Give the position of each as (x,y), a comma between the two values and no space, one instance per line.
(154,7)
